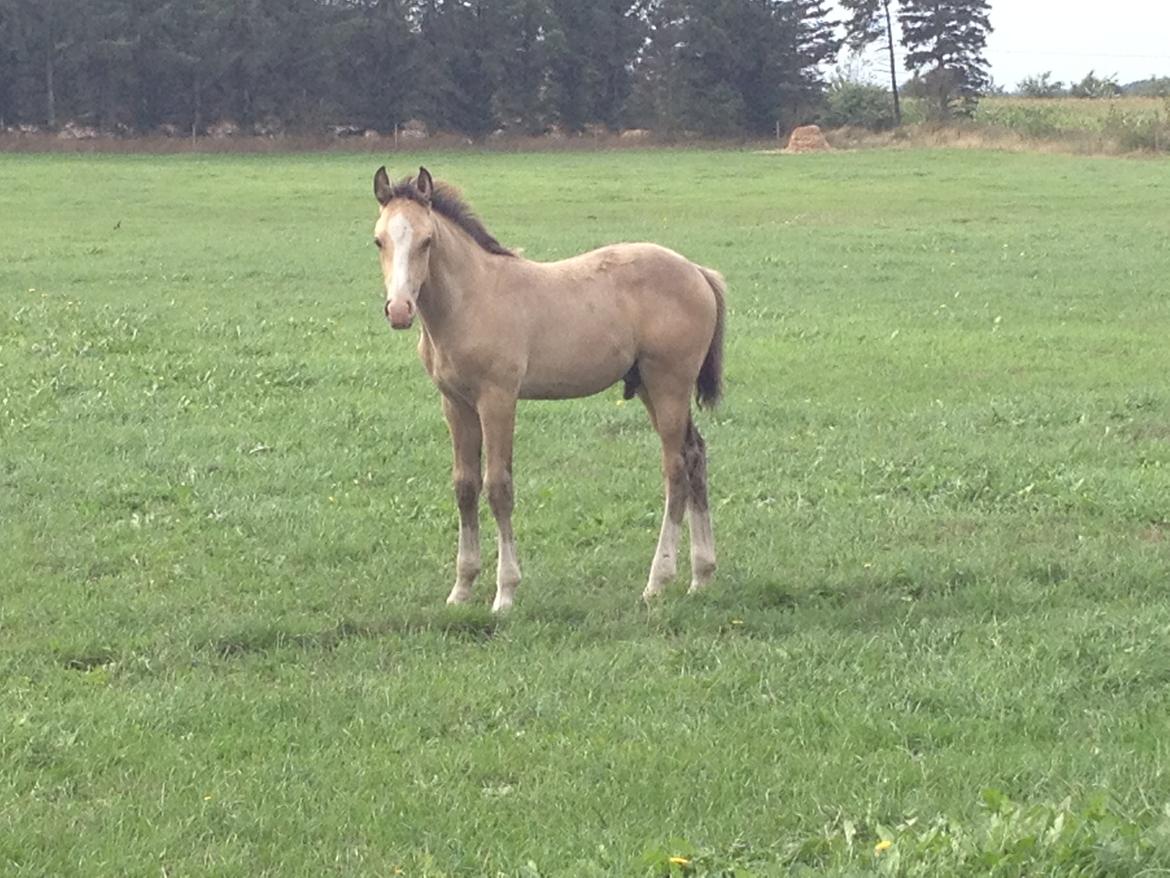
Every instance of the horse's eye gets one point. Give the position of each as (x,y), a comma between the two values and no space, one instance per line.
(378,243)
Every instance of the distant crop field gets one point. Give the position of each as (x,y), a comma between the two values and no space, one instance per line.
(936,644)
(1124,124)
(1074,111)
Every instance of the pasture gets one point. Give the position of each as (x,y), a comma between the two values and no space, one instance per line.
(940,480)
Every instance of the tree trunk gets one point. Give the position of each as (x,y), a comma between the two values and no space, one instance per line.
(196,104)
(50,96)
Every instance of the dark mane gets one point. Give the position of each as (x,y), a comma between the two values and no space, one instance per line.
(448,201)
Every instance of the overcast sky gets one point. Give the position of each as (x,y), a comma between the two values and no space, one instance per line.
(1129,38)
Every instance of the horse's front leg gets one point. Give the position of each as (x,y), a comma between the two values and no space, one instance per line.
(466,440)
(497,415)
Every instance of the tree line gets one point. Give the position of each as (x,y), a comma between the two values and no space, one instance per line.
(715,67)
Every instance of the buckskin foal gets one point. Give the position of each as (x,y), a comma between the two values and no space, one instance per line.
(497,328)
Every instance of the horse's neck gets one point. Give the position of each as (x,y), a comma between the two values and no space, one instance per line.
(459,271)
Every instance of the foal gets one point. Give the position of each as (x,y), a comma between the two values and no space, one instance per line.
(497,328)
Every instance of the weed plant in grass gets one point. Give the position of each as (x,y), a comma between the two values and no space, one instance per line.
(936,643)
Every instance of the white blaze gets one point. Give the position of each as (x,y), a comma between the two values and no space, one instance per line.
(401,232)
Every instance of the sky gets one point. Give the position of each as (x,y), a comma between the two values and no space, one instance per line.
(1129,38)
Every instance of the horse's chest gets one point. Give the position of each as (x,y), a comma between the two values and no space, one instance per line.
(456,373)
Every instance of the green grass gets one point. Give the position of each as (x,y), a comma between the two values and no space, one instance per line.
(941,484)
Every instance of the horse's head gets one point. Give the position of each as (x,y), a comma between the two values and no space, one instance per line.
(403,235)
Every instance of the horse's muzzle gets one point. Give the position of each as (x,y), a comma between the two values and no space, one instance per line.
(400,313)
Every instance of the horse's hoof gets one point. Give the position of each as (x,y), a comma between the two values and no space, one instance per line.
(458,596)
(500,605)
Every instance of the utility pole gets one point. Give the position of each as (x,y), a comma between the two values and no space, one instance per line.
(893,64)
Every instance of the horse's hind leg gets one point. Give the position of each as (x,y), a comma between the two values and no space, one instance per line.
(702,536)
(466,441)
(669,409)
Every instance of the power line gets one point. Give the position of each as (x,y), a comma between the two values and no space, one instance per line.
(1101,54)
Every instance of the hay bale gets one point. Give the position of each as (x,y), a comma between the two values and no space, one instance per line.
(807,138)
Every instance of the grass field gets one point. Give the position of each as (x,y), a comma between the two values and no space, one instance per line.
(937,643)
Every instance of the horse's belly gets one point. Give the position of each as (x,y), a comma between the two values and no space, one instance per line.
(577,366)
(578,343)
(583,381)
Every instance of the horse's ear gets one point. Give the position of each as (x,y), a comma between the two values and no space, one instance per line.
(424,184)
(383,191)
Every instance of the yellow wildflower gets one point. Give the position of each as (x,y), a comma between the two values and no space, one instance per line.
(884,845)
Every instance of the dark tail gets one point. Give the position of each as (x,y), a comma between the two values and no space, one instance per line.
(709,387)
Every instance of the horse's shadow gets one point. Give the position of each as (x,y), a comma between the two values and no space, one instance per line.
(755,608)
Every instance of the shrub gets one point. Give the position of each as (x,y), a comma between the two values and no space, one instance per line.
(1141,132)
(1093,86)
(1042,86)
(859,104)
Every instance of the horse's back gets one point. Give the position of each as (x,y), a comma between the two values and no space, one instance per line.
(636,275)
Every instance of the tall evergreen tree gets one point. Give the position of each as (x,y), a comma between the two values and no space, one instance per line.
(592,51)
(52,31)
(713,79)
(618,30)
(16,86)
(103,82)
(945,40)
(236,46)
(378,63)
(729,66)
(523,65)
(654,99)
(810,42)
(162,63)
(457,84)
